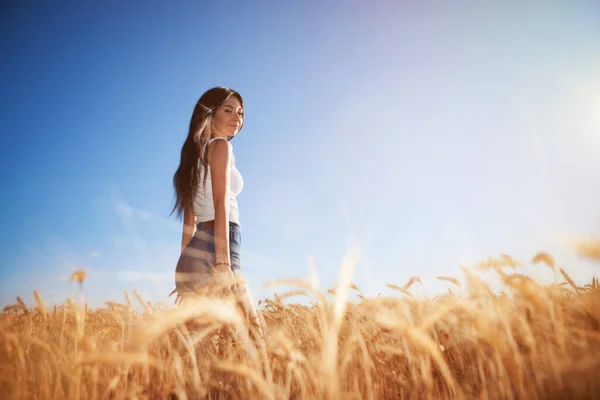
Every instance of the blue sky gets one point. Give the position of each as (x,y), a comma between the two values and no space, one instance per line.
(425,137)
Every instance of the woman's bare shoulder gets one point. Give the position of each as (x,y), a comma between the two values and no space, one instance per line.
(219,150)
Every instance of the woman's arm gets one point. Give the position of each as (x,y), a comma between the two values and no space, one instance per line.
(189,222)
(220,166)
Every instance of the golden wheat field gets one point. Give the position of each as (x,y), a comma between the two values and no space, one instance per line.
(527,342)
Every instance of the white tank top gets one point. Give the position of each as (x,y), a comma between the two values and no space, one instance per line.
(204,208)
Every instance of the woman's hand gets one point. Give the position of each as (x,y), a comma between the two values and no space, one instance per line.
(224,276)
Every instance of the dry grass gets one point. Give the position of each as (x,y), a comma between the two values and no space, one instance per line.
(529,342)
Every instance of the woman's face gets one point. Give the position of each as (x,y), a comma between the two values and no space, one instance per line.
(228,118)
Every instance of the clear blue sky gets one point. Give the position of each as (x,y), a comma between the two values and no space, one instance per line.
(427,137)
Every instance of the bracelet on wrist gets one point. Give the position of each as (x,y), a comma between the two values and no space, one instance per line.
(222,263)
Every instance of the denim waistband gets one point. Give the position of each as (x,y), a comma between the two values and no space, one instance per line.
(233,226)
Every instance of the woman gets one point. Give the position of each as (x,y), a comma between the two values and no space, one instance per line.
(207,184)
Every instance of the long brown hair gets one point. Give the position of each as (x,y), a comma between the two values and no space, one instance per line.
(188,175)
